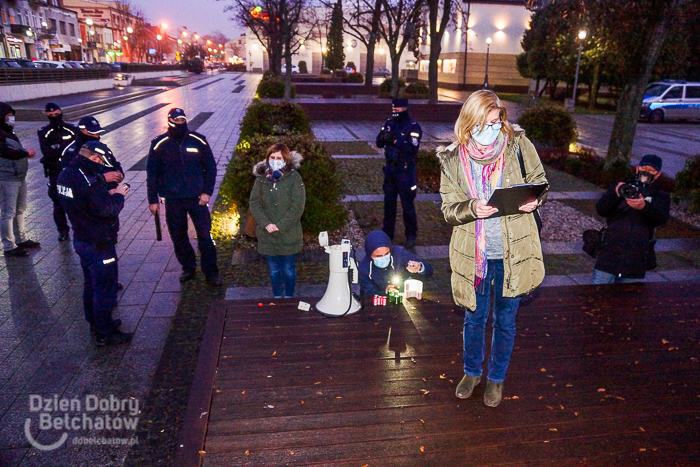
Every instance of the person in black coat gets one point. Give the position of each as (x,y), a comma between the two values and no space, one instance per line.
(93,209)
(400,137)
(181,168)
(53,139)
(627,245)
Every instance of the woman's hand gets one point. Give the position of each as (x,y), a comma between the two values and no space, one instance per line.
(271,228)
(482,210)
(529,207)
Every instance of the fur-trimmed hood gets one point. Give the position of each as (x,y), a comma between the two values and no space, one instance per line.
(259,168)
(441,151)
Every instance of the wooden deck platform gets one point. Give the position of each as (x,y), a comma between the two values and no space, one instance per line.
(599,376)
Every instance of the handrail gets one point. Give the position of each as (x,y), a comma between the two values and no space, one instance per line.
(9,76)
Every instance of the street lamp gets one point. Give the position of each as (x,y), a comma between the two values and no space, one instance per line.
(465,23)
(581,36)
(160,52)
(486,75)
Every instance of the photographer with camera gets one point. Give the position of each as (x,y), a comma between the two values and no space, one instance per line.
(400,138)
(632,209)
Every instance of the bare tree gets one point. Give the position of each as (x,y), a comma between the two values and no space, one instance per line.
(397,28)
(282,26)
(439,14)
(361,20)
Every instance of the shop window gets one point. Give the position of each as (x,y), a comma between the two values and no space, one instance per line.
(439,65)
(424,64)
(449,65)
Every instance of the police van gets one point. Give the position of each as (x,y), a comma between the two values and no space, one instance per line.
(671,100)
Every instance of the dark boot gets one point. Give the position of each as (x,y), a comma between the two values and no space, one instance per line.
(493,394)
(466,386)
(114,338)
(186,276)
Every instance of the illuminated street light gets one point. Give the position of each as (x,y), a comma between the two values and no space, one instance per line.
(88,22)
(163,26)
(130,30)
(44,24)
(159,37)
(486,76)
(126,38)
(91,32)
(208,41)
(179,41)
(581,36)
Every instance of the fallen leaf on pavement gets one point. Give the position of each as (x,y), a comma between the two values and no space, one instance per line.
(422,449)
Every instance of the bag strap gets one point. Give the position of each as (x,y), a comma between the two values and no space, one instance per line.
(521,161)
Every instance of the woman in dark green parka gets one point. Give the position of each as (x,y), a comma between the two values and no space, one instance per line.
(277,204)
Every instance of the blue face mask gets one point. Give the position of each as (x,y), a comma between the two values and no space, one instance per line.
(488,135)
(382,261)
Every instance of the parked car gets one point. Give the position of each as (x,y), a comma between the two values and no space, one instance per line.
(52,64)
(110,66)
(381,72)
(74,64)
(9,63)
(295,69)
(671,100)
(349,69)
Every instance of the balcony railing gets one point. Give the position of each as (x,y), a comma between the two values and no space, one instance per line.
(10,76)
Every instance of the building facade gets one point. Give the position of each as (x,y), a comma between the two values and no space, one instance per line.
(104,29)
(462,63)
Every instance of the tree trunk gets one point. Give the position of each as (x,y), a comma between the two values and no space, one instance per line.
(632,95)
(369,70)
(433,69)
(288,72)
(593,97)
(395,60)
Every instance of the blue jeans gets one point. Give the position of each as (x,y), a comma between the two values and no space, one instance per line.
(283,275)
(504,312)
(100,274)
(601,277)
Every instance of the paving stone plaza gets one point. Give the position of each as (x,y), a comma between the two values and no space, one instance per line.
(45,345)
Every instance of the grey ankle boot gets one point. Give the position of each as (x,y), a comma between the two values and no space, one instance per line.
(493,393)
(466,386)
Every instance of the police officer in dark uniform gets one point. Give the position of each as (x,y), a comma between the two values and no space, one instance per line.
(53,139)
(181,168)
(93,209)
(400,137)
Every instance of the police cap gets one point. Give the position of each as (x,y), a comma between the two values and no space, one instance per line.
(176,113)
(400,102)
(52,107)
(91,125)
(100,149)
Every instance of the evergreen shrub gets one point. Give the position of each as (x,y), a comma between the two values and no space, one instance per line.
(324,209)
(416,90)
(274,118)
(385,87)
(356,78)
(688,184)
(271,86)
(302,67)
(549,126)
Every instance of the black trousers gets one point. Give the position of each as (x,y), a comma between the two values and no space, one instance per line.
(59,215)
(400,182)
(176,211)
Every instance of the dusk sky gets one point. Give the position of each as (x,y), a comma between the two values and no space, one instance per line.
(201,16)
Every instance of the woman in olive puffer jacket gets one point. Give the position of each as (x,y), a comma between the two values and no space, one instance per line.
(501,253)
(277,203)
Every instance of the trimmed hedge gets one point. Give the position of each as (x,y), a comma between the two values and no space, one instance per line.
(549,126)
(356,78)
(385,87)
(302,67)
(270,118)
(271,86)
(416,90)
(688,184)
(323,210)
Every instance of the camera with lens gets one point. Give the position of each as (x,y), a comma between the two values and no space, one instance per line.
(630,190)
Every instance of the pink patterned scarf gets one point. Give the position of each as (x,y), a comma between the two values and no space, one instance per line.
(492,161)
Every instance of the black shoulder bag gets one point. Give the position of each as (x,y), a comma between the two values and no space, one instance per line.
(536,212)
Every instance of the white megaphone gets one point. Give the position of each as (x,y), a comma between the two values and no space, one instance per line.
(338,299)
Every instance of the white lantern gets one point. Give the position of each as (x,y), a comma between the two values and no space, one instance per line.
(413,288)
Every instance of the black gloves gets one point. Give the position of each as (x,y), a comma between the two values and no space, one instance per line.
(390,137)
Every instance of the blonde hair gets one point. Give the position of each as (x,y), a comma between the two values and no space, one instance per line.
(474,113)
